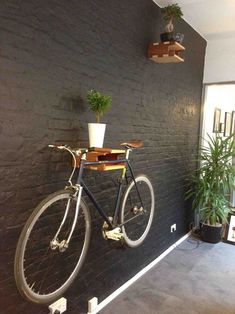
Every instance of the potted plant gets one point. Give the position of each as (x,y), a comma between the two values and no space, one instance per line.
(171,13)
(99,104)
(212,184)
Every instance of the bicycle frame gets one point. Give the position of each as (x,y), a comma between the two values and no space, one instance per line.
(112,224)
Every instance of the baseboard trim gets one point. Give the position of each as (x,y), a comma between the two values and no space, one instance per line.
(137,276)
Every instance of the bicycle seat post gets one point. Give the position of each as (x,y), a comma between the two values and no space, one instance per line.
(128,150)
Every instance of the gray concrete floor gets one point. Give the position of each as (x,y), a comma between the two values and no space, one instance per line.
(195,278)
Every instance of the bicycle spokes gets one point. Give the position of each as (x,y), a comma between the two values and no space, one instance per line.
(44,261)
(137,210)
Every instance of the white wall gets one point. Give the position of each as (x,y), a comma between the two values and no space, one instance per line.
(220,60)
(220,96)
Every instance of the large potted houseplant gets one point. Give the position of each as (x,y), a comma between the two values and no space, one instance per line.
(171,13)
(211,186)
(98,103)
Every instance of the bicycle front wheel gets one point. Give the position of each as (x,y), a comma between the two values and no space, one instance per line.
(137,210)
(44,272)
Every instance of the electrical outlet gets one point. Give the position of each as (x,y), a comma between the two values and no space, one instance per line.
(173,228)
(58,307)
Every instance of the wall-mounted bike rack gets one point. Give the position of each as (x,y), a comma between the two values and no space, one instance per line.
(58,307)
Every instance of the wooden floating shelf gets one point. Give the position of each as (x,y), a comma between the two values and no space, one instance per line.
(166,52)
(167,59)
(102,155)
(106,167)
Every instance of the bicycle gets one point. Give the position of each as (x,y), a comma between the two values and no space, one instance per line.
(59,228)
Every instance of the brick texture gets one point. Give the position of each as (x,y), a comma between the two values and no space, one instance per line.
(51,54)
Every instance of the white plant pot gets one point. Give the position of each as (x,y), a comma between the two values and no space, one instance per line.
(96,133)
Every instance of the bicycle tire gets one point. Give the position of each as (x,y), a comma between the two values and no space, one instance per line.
(136,230)
(59,278)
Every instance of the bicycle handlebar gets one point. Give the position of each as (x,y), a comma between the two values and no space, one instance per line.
(73,152)
(56,146)
(78,151)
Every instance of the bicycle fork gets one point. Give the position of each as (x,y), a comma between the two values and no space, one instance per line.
(63,245)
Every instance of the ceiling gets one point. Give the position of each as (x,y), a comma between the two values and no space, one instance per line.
(211,18)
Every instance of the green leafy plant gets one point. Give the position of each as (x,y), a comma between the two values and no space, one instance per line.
(171,13)
(98,103)
(213,181)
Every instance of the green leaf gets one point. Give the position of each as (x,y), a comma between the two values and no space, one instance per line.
(98,103)
(215,178)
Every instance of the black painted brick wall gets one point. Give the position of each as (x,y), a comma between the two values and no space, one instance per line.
(51,54)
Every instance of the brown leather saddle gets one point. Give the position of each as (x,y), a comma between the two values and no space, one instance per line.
(132,144)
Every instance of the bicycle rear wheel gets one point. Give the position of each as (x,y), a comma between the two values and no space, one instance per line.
(42,273)
(137,211)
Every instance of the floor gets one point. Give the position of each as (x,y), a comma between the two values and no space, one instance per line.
(195,278)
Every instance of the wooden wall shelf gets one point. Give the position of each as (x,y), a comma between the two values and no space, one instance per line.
(165,52)
(102,155)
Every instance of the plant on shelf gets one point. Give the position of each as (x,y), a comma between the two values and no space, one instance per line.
(171,13)
(99,104)
(212,183)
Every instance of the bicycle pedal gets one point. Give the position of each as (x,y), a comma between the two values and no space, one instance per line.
(114,234)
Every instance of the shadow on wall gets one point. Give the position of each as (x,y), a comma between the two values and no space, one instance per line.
(74,103)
